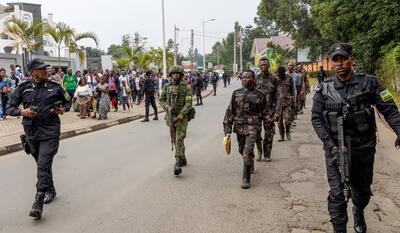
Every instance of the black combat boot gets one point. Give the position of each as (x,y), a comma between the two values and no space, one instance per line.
(359,221)
(155,117)
(246,177)
(37,207)
(146,119)
(259,151)
(288,137)
(183,161)
(50,195)
(177,166)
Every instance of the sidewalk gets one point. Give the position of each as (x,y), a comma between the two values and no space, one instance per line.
(72,125)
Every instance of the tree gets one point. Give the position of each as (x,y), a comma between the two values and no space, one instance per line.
(72,44)
(61,35)
(249,34)
(294,18)
(25,34)
(371,27)
(115,50)
(93,52)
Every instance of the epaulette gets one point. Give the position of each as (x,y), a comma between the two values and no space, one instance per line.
(24,82)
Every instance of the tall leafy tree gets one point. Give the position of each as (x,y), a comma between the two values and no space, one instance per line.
(73,47)
(25,34)
(61,34)
(293,17)
(372,27)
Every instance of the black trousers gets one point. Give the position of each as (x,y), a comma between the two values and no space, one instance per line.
(361,173)
(150,100)
(215,88)
(43,151)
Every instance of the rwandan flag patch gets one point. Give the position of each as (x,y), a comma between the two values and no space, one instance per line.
(386,96)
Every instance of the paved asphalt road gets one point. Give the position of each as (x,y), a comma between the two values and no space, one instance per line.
(120,180)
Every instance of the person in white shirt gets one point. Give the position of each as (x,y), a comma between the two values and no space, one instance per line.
(83,94)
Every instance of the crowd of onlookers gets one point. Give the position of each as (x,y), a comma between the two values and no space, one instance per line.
(95,93)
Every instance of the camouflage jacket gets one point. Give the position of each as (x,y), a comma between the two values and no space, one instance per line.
(178,97)
(246,111)
(286,93)
(305,84)
(268,84)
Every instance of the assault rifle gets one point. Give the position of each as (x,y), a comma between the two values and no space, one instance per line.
(344,161)
(171,123)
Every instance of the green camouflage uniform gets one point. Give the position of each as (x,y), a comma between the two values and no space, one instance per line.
(286,94)
(245,113)
(268,84)
(180,98)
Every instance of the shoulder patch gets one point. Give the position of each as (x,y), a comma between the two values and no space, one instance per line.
(386,95)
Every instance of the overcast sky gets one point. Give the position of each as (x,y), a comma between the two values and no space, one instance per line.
(111,19)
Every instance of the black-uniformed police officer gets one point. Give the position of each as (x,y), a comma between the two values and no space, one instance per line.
(358,92)
(42,102)
(149,93)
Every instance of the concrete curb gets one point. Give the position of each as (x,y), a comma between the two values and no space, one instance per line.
(75,132)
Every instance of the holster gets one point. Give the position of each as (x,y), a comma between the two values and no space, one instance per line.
(25,144)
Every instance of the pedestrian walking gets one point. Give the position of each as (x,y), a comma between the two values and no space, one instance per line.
(176,99)
(42,101)
(343,117)
(245,113)
(83,95)
(103,99)
(197,85)
(149,92)
(125,92)
(268,84)
(214,82)
(286,95)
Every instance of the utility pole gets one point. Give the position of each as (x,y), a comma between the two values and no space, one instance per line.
(192,48)
(204,44)
(234,53)
(241,52)
(163,46)
(175,45)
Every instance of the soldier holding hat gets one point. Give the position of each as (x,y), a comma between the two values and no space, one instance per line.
(42,101)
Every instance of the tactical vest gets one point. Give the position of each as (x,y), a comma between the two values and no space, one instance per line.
(355,107)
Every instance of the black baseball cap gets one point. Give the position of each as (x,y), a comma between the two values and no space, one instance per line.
(36,63)
(341,49)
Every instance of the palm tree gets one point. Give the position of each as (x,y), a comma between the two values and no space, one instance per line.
(25,34)
(73,47)
(143,60)
(61,35)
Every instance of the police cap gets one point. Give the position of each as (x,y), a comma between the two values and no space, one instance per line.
(36,63)
(341,49)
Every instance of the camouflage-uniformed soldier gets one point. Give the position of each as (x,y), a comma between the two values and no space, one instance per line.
(351,97)
(178,98)
(246,111)
(285,103)
(268,84)
(305,88)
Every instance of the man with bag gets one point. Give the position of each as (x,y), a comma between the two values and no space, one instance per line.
(176,98)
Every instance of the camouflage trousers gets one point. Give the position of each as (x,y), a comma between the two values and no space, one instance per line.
(285,119)
(269,132)
(302,101)
(180,135)
(246,147)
